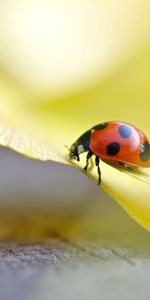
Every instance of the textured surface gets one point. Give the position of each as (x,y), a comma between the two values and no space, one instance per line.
(66,271)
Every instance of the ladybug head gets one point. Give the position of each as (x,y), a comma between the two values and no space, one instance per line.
(74,151)
(81,145)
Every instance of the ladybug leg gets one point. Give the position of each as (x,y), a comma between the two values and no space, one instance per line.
(97,162)
(78,158)
(89,155)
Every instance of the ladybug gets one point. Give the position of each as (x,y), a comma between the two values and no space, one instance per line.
(116,143)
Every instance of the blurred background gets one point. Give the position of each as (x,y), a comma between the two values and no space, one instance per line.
(66,62)
(54,47)
(64,67)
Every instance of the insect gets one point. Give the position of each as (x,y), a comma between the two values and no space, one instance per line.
(115,143)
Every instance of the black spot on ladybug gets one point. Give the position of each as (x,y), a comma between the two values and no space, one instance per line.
(145,151)
(113,148)
(100,126)
(125,131)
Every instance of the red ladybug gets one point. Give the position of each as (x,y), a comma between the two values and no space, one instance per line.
(113,142)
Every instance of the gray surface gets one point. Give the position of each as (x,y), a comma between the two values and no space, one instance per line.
(42,199)
(60,270)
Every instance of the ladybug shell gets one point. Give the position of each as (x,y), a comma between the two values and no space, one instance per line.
(120,142)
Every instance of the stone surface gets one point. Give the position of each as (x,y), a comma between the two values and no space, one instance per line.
(64,270)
